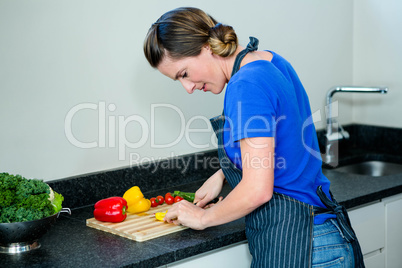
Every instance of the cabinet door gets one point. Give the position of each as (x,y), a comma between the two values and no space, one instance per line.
(376,261)
(369,225)
(394,234)
(231,256)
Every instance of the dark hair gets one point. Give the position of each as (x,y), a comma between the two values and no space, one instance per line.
(183,32)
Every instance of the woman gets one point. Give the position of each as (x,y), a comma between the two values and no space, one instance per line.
(291,218)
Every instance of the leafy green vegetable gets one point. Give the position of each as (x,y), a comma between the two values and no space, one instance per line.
(56,202)
(26,199)
(187,196)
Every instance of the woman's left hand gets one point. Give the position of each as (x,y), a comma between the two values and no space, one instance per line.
(186,214)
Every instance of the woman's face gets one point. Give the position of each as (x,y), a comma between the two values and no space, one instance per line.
(202,72)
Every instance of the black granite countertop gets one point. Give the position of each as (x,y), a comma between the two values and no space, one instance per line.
(70,243)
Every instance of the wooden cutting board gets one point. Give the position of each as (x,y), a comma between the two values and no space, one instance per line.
(139,227)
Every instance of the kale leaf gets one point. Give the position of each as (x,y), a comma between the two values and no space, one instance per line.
(24,199)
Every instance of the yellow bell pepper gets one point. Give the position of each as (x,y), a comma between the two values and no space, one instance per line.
(133,195)
(141,206)
(160,215)
(136,202)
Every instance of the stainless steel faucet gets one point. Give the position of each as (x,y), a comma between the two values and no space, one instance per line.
(331,151)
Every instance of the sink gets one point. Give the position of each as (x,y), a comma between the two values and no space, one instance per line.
(372,168)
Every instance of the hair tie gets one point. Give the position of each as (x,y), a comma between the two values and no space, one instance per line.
(213,28)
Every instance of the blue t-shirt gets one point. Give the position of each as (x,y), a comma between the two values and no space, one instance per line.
(267,99)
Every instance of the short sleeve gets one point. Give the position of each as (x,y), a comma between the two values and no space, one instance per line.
(250,110)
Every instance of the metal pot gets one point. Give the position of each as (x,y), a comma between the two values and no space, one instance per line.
(19,237)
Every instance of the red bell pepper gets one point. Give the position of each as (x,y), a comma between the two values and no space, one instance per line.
(112,209)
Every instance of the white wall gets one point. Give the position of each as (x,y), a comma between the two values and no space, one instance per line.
(58,55)
(377,58)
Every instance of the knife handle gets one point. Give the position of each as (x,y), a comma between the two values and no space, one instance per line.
(213,201)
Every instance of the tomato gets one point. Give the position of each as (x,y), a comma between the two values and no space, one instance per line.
(160,199)
(178,199)
(169,199)
(153,202)
(167,194)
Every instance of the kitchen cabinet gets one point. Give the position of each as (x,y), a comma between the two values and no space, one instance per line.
(369,224)
(379,229)
(393,227)
(377,260)
(236,255)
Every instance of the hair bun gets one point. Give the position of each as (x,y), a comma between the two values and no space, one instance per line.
(222,40)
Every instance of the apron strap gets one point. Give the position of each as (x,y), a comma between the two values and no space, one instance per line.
(340,211)
(252,46)
(344,223)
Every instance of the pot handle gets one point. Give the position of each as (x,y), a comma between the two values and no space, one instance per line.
(65,210)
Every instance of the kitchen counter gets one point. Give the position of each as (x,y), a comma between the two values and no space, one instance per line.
(70,243)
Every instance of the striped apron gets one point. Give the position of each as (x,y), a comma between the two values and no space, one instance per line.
(280,232)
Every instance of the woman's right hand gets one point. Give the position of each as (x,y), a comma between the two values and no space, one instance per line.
(210,189)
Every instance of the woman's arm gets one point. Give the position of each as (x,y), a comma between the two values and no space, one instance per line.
(254,190)
(210,189)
